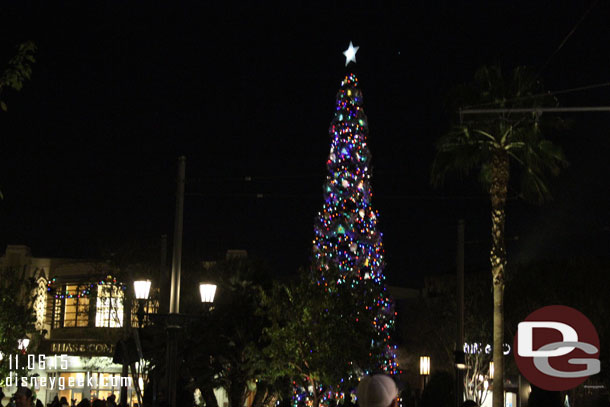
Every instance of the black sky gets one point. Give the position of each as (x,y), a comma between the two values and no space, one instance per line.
(121,89)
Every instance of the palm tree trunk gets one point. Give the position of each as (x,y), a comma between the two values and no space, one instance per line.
(497,257)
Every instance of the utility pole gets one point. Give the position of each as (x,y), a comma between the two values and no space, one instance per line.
(163,277)
(174,300)
(537,110)
(163,308)
(459,338)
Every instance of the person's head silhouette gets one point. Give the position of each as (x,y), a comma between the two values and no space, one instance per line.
(377,391)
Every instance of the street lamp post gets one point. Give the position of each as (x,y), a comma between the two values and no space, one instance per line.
(22,345)
(142,291)
(174,298)
(424,370)
(460,362)
(207,290)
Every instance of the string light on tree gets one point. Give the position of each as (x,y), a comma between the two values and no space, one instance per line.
(82,290)
(346,235)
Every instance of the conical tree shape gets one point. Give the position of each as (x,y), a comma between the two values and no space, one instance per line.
(348,247)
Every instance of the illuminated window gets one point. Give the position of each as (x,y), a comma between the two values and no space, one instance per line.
(57,306)
(97,384)
(76,308)
(151,306)
(109,311)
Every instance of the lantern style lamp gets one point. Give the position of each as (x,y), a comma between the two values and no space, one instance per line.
(142,291)
(424,370)
(207,292)
(491,370)
(22,345)
(424,365)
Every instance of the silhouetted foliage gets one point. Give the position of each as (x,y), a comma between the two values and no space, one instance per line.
(18,70)
(439,390)
(320,335)
(17,295)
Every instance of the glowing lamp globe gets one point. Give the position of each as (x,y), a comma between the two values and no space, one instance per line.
(22,344)
(207,292)
(142,289)
(424,365)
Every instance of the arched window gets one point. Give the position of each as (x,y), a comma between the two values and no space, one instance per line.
(109,307)
(71,306)
(76,311)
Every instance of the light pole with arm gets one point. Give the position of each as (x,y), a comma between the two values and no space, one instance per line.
(142,291)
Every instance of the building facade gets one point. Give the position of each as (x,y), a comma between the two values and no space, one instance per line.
(81,312)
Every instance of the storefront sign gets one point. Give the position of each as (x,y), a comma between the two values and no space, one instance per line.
(477,347)
(81,348)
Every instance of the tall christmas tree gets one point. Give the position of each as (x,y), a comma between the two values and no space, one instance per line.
(348,247)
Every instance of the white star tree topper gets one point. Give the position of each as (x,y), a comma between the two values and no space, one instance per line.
(350,54)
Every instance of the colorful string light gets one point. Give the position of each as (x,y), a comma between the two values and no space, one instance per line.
(83,290)
(346,237)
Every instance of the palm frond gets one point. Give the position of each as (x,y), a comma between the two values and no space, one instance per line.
(538,160)
(518,134)
(485,174)
(486,134)
(534,187)
(459,151)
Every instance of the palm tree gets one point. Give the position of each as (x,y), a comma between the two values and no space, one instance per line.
(497,146)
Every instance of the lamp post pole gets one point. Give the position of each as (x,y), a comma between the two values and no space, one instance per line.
(424,371)
(459,339)
(174,298)
(142,291)
(174,301)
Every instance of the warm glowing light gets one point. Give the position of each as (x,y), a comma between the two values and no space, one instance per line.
(207,292)
(109,306)
(22,344)
(491,370)
(142,289)
(424,365)
(40,305)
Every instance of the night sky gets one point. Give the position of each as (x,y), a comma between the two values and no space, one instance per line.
(88,149)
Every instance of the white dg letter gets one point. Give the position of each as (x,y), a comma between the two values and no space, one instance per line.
(525,338)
